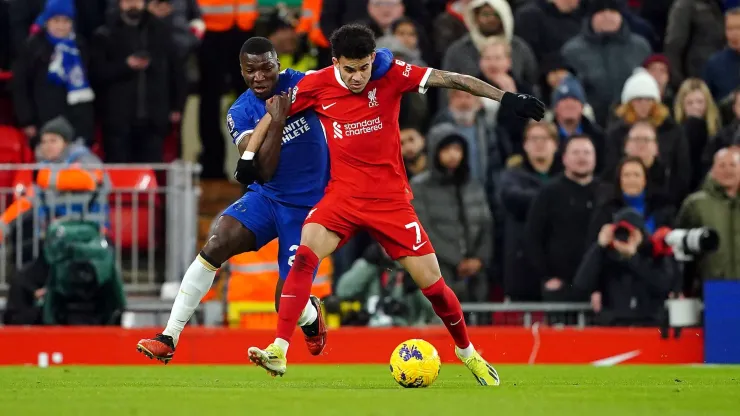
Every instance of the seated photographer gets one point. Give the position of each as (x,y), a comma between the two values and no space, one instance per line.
(630,189)
(716,206)
(628,285)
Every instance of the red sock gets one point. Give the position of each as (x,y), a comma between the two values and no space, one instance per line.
(296,291)
(447,307)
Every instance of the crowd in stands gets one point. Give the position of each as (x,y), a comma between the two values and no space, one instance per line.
(643,124)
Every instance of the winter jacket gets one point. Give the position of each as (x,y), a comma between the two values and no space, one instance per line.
(545,28)
(603,62)
(673,151)
(452,208)
(722,73)
(463,55)
(696,30)
(128,95)
(712,207)
(37,100)
(633,290)
(518,187)
(493,145)
(183,13)
(557,228)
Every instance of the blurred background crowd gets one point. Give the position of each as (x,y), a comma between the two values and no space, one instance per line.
(642,132)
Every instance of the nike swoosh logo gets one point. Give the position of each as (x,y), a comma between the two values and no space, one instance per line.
(457,322)
(415,247)
(326,107)
(185,293)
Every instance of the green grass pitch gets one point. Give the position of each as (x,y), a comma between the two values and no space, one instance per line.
(350,390)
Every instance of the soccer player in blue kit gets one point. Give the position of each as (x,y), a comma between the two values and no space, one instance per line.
(286,174)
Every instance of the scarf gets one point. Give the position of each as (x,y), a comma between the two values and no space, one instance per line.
(65,68)
(639,204)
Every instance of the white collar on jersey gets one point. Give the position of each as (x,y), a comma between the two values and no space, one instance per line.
(338,76)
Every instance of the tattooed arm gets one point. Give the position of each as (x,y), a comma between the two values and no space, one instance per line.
(455,81)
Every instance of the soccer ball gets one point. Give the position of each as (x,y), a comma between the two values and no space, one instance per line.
(415,363)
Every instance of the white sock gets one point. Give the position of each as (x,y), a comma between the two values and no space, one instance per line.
(309,314)
(466,352)
(283,344)
(195,284)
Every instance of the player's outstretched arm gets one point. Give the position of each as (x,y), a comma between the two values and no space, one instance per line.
(523,105)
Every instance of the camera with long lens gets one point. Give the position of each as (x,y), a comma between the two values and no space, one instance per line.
(685,244)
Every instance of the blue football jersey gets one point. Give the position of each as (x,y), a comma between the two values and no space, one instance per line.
(303,170)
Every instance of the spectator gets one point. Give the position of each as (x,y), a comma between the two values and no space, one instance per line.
(487,146)
(630,189)
(335,13)
(722,71)
(495,66)
(717,205)
(51,77)
(449,26)
(570,114)
(642,142)
(24,15)
(628,285)
(547,24)
(697,113)
(293,52)
(520,184)
(639,26)
(604,55)
(557,225)
(183,16)
(658,67)
(554,70)
(452,208)
(412,149)
(57,145)
(695,32)
(641,102)
(140,75)
(486,19)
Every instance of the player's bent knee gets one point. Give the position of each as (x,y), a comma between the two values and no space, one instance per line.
(319,239)
(424,270)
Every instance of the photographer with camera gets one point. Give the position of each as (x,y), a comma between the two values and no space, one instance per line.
(716,206)
(628,285)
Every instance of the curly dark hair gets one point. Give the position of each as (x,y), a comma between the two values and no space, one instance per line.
(352,42)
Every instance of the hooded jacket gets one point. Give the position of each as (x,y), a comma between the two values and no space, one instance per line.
(713,207)
(463,55)
(452,207)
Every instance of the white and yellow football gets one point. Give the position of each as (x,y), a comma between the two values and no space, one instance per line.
(415,363)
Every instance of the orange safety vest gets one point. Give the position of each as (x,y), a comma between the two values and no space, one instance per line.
(251,286)
(309,23)
(70,179)
(222,15)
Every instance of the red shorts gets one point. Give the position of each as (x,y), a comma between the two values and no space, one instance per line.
(392,223)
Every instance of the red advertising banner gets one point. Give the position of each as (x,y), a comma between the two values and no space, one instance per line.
(514,345)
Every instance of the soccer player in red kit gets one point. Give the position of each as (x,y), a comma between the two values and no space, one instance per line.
(368,189)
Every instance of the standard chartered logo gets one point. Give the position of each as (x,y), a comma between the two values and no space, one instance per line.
(337,130)
(363,127)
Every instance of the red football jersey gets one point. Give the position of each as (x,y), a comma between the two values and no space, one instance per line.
(362,129)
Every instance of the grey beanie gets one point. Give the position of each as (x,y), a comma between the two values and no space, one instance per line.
(59,125)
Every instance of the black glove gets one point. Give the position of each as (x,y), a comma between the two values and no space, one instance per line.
(523,105)
(246,172)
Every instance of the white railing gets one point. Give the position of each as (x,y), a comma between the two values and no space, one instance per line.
(152,217)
